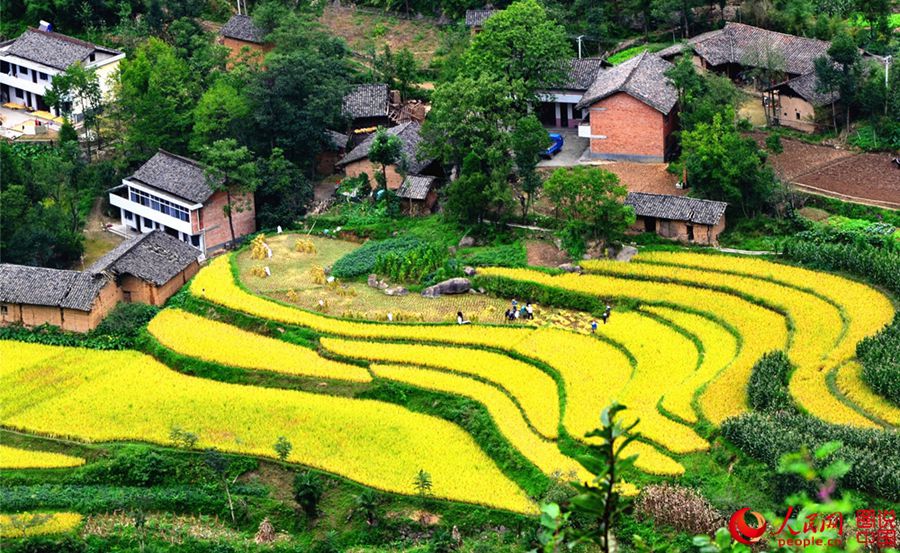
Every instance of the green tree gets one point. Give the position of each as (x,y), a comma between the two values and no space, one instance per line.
(231,169)
(385,150)
(400,70)
(219,114)
(282,448)
(283,193)
(589,200)
(219,465)
(479,191)
(524,45)
(422,483)
(877,13)
(67,133)
(723,165)
(841,70)
(469,115)
(78,89)
(529,140)
(155,100)
(700,96)
(308,491)
(204,57)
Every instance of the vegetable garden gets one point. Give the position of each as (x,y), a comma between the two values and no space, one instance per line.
(679,351)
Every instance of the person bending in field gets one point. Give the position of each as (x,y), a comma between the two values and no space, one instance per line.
(593,327)
(529,311)
(460,320)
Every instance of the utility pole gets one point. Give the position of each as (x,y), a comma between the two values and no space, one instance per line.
(579,45)
(887,71)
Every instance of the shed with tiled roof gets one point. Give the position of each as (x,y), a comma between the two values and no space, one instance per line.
(678,217)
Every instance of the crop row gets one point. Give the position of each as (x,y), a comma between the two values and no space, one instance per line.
(532,389)
(209,340)
(102,396)
(849,381)
(15,458)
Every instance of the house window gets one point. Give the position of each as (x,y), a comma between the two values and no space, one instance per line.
(195,240)
(91,57)
(23,70)
(19,93)
(158,204)
(148,223)
(4,310)
(798,116)
(126,296)
(43,76)
(128,216)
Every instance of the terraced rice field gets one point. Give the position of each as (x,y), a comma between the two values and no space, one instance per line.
(678,360)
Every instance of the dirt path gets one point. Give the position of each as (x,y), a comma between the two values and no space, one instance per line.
(97,241)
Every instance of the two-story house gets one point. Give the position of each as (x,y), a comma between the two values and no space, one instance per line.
(172,193)
(29,63)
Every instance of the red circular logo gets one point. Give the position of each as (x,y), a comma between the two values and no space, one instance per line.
(743,532)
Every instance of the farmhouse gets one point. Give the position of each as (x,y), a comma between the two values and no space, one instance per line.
(419,192)
(367,107)
(677,217)
(148,268)
(171,193)
(244,39)
(475,18)
(799,105)
(557,108)
(631,111)
(29,63)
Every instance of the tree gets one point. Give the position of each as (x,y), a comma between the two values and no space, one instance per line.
(155,100)
(768,65)
(524,45)
(700,96)
(78,88)
(282,448)
(67,133)
(385,150)
(841,70)
(469,116)
(877,13)
(231,169)
(204,57)
(479,191)
(723,165)
(366,503)
(219,114)
(283,193)
(400,70)
(220,464)
(422,483)
(589,200)
(529,140)
(308,491)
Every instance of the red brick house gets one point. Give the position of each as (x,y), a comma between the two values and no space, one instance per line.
(631,111)
(148,268)
(244,40)
(171,193)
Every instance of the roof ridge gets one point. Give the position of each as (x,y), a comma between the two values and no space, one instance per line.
(182,158)
(639,60)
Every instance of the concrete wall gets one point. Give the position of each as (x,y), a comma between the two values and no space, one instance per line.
(214,222)
(623,127)
(394,180)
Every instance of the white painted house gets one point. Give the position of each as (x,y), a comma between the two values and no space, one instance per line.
(29,63)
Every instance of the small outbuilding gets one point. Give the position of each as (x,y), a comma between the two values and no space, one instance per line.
(418,194)
(244,40)
(678,217)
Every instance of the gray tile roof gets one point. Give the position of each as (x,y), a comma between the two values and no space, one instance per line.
(642,77)
(53,49)
(338,140)
(367,100)
(677,208)
(242,27)
(155,257)
(415,187)
(48,287)
(476,18)
(177,175)
(410,138)
(582,73)
(805,87)
(750,46)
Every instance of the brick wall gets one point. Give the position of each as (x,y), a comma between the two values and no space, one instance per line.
(215,223)
(394,180)
(623,127)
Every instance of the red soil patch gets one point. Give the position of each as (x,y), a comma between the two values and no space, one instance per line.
(645,177)
(870,177)
(545,254)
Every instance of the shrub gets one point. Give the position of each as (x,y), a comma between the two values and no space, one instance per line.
(768,386)
(363,259)
(877,264)
(681,508)
(308,491)
(880,356)
(126,320)
(411,265)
